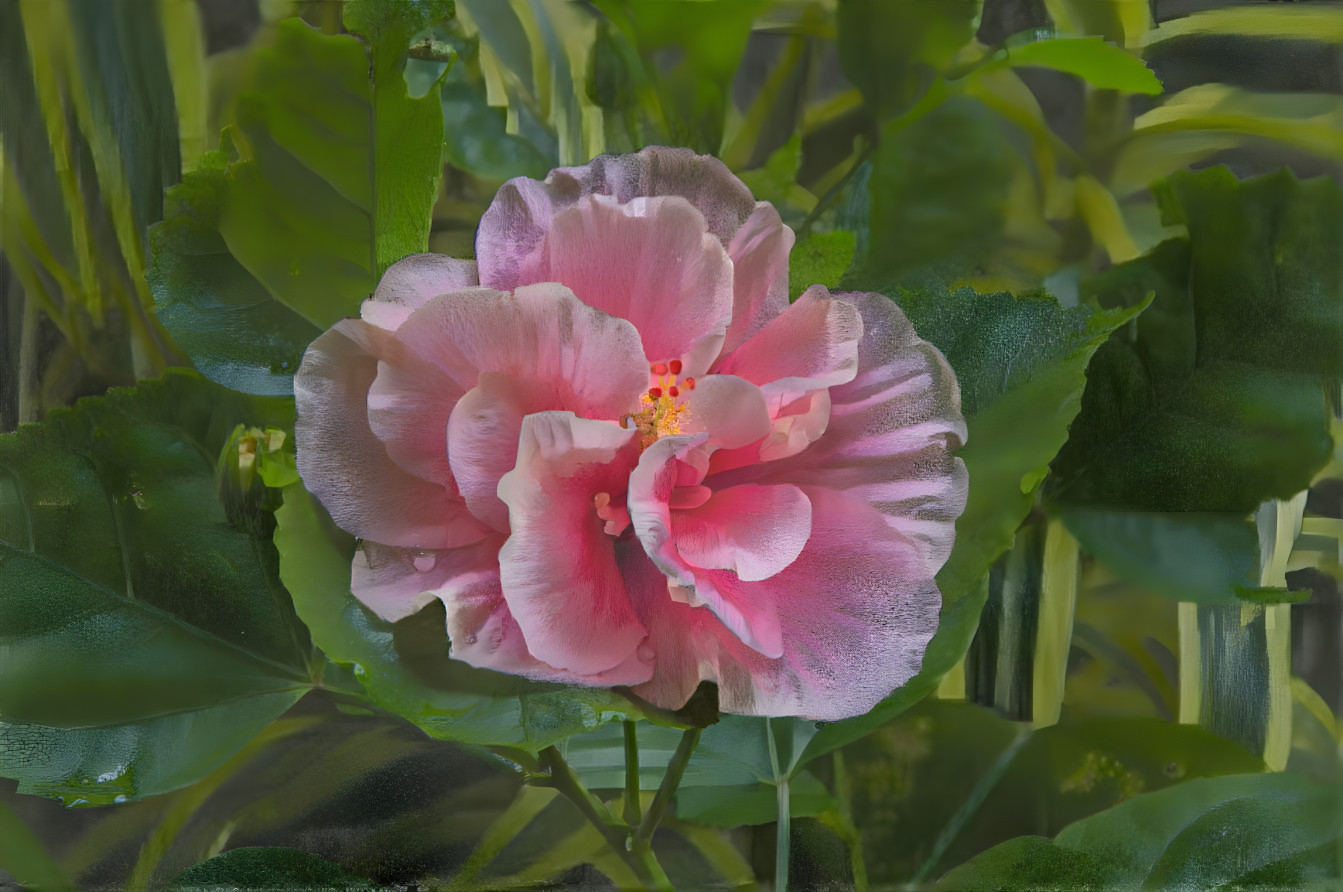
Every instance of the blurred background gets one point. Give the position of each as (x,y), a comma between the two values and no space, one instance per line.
(899,151)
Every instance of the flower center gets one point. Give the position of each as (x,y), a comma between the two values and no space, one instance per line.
(661,413)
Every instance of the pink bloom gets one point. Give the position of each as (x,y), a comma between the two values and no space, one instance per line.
(618,455)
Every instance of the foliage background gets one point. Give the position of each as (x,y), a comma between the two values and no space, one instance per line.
(1142,619)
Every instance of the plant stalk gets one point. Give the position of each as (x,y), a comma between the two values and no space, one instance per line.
(633,810)
(675,769)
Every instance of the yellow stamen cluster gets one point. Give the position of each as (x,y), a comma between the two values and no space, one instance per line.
(662,414)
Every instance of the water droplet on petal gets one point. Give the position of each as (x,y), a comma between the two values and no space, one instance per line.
(645,652)
(469,638)
(424,561)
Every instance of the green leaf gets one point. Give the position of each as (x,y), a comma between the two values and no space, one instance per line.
(1100,64)
(930,761)
(1185,556)
(886,48)
(821,258)
(405,667)
(939,190)
(217,311)
(146,633)
(1280,830)
(1216,404)
(269,868)
(1021,363)
(1260,22)
(338,166)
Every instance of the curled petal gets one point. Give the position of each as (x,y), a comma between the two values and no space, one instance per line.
(891,435)
(483,425)
(408,407)
(348,468)
(651,261)
(397,582)
(812,344)
(515,225)
(759,253)
(558,568)
(411,283)
(754,531)
(593,362)
(730,411)
(841,652)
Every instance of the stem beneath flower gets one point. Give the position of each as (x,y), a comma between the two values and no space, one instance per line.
(783,837)
(675,769)
(561,777)
(633,811)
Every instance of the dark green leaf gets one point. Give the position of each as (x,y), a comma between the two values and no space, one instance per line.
(267,868)
(887,49)
(405,667)
(1280,830)
(1021,363)
(135,612)
(1185,556)
(217,311)
(339,167)
(1216,404)
(928,762)
(938,191)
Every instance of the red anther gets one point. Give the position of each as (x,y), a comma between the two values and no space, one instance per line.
(654,392)
(675,366)
(689,383)
(659,368)
(673,391)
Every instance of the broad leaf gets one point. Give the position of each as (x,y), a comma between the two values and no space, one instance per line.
(1217,403)
(332,172)
(1277,830)
(886,49)
(929,762)
(1021,363)
(1100,64)
(1185,556)
(146,633)
(405,667)
(820,258)
(939,191)
(23,857)
(235,332)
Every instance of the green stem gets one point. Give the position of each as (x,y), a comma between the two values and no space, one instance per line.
(633,811)
(971,804)
(833,193)
(561,777)
(675,769)
(783,838)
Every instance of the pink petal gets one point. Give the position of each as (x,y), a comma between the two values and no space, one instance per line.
(397,582)
(485,634)
(812,344)
(759,253)
(481,440)
(730,410)
(592,361)
(558,568)
(842,653)
(650,261)
(669,463)
(408,407)
(347,467)
(411,283)
(515,224)
(891,435)
(754,531)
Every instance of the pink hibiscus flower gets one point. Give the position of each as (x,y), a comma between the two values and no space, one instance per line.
(618,455)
